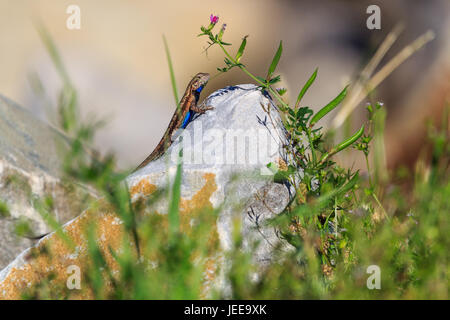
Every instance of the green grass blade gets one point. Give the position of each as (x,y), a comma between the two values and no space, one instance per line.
(328,108)
(4,210)
(305,88)
(172,73)
(174,214)
(42,207)
(53,52)
(275,60)
(379,154)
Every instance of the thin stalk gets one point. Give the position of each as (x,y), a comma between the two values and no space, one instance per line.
(313,152)
(368,171)
(335,218)
(273,92)
(381,206)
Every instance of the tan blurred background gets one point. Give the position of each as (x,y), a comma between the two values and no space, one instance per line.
(117,59)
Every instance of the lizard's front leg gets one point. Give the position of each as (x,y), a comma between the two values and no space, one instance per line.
(201,108)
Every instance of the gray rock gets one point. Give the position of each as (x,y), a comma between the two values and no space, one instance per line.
(234,143)
(30,165)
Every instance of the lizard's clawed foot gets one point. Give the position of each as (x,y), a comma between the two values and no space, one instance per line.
(202,110)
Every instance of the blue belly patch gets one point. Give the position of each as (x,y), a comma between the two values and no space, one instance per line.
(186,120)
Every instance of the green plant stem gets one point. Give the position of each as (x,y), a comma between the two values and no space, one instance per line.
(273,92)
(368,171)
(381,206)
(313,152)
(335,218)
(372,191)
(171,71)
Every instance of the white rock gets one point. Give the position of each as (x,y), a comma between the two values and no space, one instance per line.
(215,143)
(30,167)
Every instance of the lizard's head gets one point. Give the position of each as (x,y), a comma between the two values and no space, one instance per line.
(199,81)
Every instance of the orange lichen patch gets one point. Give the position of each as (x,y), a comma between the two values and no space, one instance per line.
(210,269)
(49,261)
(143,187)
(191,209)
(209,276)
(282,165)
(53,256)
(201,200)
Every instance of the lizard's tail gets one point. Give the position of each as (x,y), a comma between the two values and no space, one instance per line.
(158,152)
(153,156)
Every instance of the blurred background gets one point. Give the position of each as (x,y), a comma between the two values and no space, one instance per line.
(117,60)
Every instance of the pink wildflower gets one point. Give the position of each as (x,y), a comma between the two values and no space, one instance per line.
(214,19)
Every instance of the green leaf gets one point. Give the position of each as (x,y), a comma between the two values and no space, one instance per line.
(329,107)
(228,62)
(22,228)
(275,80)
(344,144)
(260,79)
(280,176)
(241,49)
(53,52)
(172,73)
(42,207)
(98,260)
(272,167)
(349,185)
(275,61)
(4,211)
(305,88)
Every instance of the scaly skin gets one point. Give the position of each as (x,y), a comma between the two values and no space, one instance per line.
(187,104)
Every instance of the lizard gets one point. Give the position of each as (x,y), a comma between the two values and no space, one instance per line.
(183,114)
